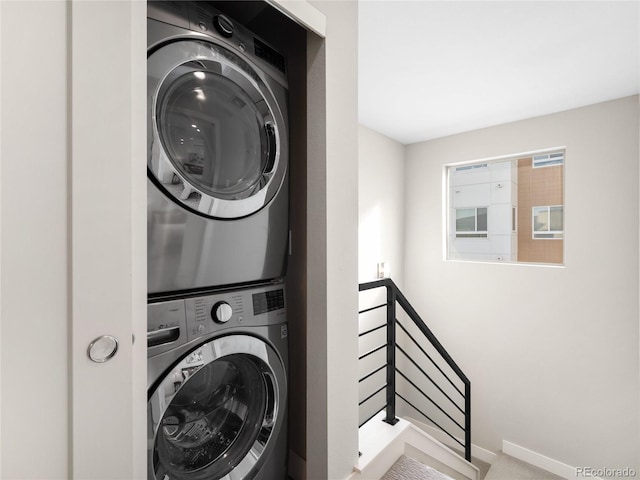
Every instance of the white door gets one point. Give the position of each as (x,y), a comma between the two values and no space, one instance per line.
(108,236)
(73,247)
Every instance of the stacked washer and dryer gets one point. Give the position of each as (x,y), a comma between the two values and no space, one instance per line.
(217,248)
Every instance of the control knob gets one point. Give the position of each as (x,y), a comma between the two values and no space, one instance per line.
(223,25)
(221,312)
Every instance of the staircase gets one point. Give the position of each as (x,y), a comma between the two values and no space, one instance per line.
(382,444)
(402,361)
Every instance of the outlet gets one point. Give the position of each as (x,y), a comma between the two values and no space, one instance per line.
(383,270)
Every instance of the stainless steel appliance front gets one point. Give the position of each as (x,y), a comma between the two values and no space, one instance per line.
(217,152)
(217,386)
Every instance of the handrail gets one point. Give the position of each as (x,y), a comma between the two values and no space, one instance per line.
(402,300)
(396,297)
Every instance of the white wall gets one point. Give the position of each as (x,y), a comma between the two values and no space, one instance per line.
(332,245)
(34,258)
(380,205)
(551,352)
(380,238)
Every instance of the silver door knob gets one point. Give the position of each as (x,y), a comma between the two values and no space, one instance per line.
(103,348)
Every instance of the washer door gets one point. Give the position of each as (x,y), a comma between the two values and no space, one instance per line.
(213,415)
(215,132)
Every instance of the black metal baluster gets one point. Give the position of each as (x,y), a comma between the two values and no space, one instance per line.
(390,417)
(467,420)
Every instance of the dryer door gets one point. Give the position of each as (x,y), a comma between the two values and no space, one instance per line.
(217,412)
(216,135)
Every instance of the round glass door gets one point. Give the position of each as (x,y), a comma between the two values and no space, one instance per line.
(215,130)
(214,413)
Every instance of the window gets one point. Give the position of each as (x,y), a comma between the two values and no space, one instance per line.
(548,160)
(471,222)
(547,222)
(507,209)
(472,167)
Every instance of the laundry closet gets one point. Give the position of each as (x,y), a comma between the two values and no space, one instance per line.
(74,234)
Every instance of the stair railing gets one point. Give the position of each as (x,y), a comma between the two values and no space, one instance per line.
(439,403)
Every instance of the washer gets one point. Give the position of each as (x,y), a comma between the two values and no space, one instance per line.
(217,137)
(217,386)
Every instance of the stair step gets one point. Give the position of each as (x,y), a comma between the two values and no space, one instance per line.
(407,468)
(382,445)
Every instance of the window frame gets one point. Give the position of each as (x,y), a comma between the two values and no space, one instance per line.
(551,159)
(547,232)
(471,167)
(457,176)
(475,233)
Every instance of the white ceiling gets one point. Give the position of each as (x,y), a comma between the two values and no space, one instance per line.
(428,69)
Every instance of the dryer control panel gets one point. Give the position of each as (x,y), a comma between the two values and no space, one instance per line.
(174,322)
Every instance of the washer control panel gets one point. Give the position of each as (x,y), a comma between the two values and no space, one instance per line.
(270,301)
(174,322)
(238,308)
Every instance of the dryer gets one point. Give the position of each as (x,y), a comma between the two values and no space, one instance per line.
(217,386)
(217,165)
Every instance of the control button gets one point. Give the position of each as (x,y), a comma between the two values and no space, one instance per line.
(202,26)
(201,329)
(221,312)
(223,25)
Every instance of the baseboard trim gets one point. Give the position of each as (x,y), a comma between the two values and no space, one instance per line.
(538,460)
(476,451)
(297,466)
